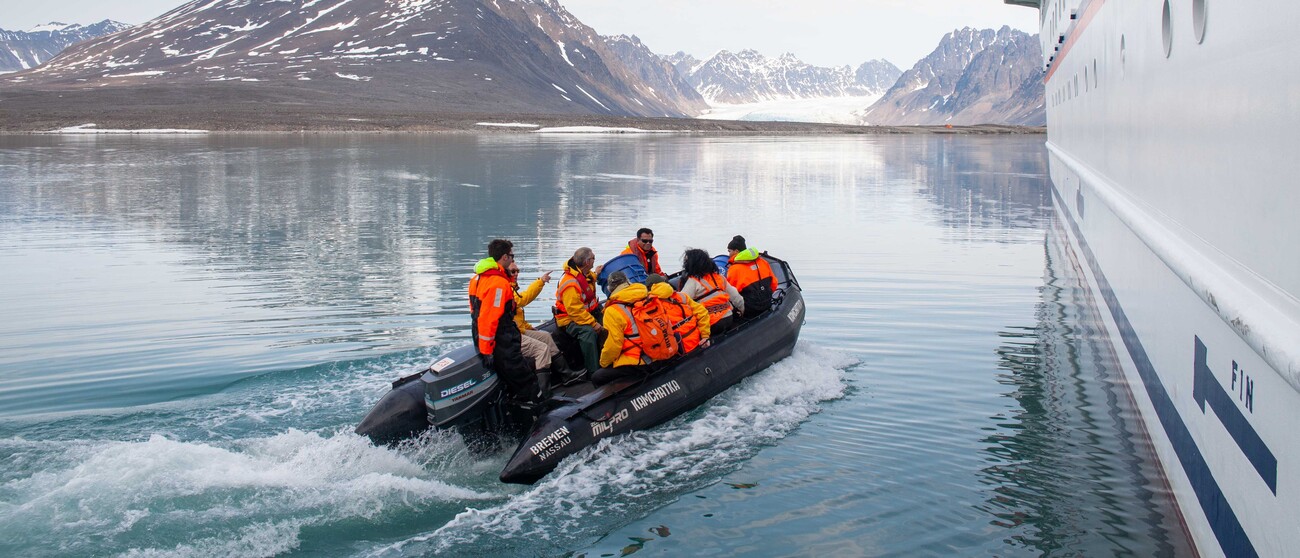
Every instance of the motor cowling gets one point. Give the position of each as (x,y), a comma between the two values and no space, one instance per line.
(457,390)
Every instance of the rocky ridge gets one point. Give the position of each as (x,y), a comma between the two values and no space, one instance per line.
(22,50)
(431,55)
(748,76)
(972,77)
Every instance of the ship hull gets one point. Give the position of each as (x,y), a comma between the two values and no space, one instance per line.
(1170,145)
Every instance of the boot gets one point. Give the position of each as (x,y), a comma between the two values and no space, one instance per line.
(543,385)
(559,366)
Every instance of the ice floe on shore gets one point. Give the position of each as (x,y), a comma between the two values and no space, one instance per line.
(598,130)
(95,129)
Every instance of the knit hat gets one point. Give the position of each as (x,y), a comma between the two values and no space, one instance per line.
(616,280)
(654,279)
(737,243)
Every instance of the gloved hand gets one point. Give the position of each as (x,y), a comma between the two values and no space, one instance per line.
(487,360)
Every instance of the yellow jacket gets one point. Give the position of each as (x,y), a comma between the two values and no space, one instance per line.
(522,298)
(611,353)
(666,292)
(570,297)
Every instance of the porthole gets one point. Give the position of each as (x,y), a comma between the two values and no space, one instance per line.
(1094,73)
(1086,83)
(1167,30)
(1198,20)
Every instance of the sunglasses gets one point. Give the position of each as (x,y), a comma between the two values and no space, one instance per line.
(644,241)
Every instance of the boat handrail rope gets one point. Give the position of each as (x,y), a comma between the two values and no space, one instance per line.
(1266,317)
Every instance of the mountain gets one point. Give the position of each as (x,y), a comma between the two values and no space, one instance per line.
(653,72)
(460,56)
(748,77)
(20,50)
(972,77)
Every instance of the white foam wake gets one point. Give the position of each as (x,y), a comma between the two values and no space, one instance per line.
(251,497)
(623,477)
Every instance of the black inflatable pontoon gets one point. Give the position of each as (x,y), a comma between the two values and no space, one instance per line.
(456,392)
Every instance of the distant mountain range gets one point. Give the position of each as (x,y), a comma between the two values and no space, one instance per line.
(209,57)
(973,77)
(494,56)
(20,50)
(748,77)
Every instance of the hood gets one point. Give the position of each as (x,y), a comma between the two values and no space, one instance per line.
(746,255)
(486,264)
(568,267)
(629,294)
(662,290)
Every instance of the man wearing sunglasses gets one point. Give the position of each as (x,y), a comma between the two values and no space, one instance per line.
(492,311)
(643,247)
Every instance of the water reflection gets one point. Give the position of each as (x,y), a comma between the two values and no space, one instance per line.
(1057,455)
(286,251)
(231,276)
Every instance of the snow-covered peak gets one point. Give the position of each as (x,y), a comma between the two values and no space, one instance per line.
(748,76)
(51,27)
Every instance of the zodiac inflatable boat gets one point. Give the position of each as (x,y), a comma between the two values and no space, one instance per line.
(458,393)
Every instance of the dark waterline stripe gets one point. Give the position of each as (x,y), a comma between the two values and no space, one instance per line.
(1223,521)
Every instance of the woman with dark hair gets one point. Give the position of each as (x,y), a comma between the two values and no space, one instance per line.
(706,286)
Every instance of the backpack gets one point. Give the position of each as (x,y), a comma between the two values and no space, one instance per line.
(654,329)
(758,297)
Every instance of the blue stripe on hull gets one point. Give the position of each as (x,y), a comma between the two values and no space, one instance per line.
(1223,521)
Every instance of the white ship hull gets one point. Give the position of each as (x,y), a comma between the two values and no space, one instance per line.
(1171,133)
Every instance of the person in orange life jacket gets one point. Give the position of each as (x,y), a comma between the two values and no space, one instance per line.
(643,247)
(577,310)
(690,319)
(536,345)
(496,335)
(705,284)
(752,276)
(619,357)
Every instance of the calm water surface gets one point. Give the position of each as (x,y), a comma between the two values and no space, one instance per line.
(192,326)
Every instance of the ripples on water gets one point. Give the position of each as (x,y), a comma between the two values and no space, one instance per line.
(193,326)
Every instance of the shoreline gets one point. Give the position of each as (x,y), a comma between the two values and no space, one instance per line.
(708,127)
(17,119)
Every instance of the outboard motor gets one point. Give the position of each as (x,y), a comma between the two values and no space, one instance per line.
(456,390)
(400,414)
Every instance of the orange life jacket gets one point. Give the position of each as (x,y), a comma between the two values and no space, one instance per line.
(715,300)
(648,335)
(580,283)
(743,274)
(649,259)
(683,320)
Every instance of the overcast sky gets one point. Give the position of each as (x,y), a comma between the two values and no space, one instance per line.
(820,32)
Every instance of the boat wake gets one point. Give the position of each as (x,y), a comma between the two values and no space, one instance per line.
(242,472)
(267,465)
(622,478)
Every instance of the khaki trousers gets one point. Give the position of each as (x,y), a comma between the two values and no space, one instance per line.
(538,346)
